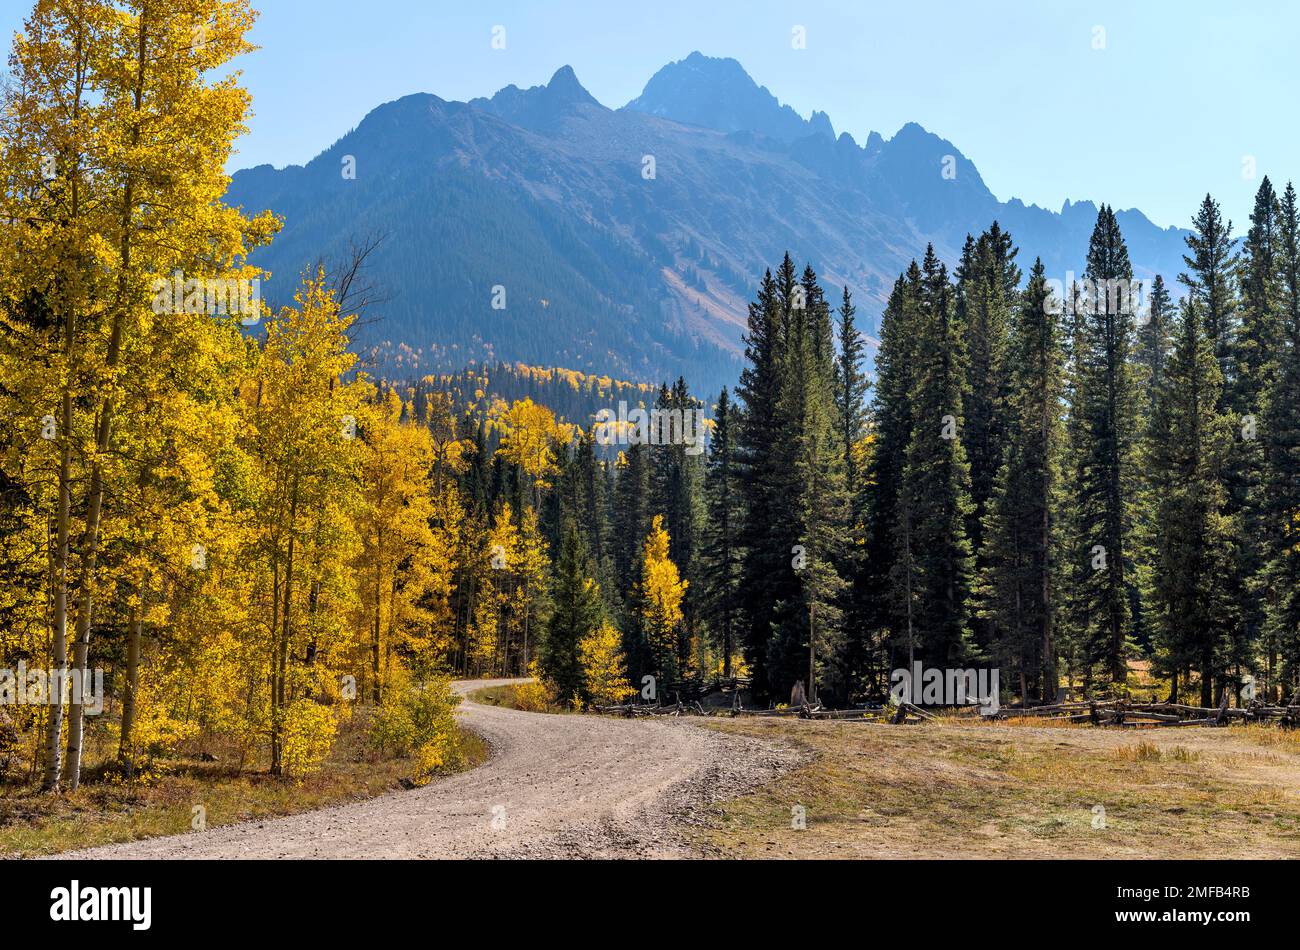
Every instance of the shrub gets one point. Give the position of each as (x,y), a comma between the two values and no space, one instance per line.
(308,736)
(419,722)
(535,695)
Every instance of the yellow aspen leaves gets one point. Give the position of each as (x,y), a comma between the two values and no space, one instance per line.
(604,670)
(662,591)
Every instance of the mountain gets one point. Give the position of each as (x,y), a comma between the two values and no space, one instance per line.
(630,241)
(718,94)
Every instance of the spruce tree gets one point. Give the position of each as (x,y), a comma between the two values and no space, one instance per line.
(1255,354)
(1187,460)
(1212,275)
(812,511)
(987,282)
(576,615)
(1154,341)
(1281,487)
(631,513)
(564,502)
(720,555)
(884,581)
(1104,598)
(1019,578)
(937,564)
(851,386)
(594,504)
(1255,347)
(761,475)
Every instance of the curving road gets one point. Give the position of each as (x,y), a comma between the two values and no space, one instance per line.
(555,786)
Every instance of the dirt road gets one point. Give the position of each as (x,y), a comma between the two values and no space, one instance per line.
(556,786)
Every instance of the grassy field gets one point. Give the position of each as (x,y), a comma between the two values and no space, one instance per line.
(105,811)
(975,790)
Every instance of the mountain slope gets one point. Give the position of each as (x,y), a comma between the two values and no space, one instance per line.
(629,241)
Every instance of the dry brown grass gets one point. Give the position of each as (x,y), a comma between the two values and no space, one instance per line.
(105,811)
(976,790)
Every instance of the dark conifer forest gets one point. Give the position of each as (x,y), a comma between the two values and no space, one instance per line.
(1055,484)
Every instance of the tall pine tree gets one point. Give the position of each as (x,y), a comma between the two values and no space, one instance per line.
(1154,341)
(1187,460)
(577,614)
(1212,275)
(1281,488)
(884,585)
(1019,578)
(813,509)
(987,282)
(937,564)
(851,386)
(1102,433)
(721,556)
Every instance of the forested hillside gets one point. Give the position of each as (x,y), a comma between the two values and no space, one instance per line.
(540,226)
(485,393)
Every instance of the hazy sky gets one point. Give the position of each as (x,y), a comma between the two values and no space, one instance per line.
(1180,95)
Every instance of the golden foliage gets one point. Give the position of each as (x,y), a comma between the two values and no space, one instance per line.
(309,730)
(604,670)
(534,695)
(530,435)
(662,591)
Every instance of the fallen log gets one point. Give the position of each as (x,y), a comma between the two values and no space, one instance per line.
(915,711)
(766,712)
(843,713)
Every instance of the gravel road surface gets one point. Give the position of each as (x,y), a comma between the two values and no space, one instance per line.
(556,786)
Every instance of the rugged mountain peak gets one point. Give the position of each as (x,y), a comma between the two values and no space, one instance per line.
(539,105)
(540,190)
(564,87)
(927,155)
(820,124)
(718,94)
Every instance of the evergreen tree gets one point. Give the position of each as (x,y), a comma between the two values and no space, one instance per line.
(813,508)
(1281,480)
(1255,353)
(1019,579)
(938,565)
(564,503)
(987,282)
(1154,341)
(883,584)
(1187,460)
(595,506)
(676,478)
(1104,596)
(765,574)
(720,555)
(631,513)
(1256,346)
(631,519)
(851,386)
(576,615)
(1212,276)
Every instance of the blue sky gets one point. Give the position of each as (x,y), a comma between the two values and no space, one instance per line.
(1180,95)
